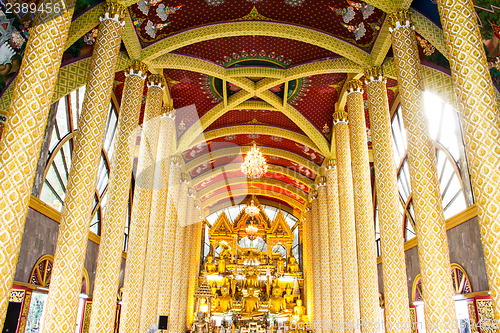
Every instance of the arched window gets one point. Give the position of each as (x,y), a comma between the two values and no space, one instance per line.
(445,131)
(58,164)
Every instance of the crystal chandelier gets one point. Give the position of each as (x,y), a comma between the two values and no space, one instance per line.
(255,165)
(251,209)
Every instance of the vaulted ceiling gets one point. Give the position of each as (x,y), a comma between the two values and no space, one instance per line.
(270,72)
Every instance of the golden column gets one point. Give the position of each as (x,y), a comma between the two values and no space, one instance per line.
(157,222)
(478,107)
(391,229)
(169,232)
(139,221)
(113,224)
(433,252)
(194,264)
(66,279)
(176,288)
(190,246)
(307,244)
(24,130)
(336,284)
(315,261)
(347,226)
(363,208)
(324,246)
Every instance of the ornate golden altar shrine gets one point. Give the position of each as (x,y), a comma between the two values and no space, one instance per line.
(256,281)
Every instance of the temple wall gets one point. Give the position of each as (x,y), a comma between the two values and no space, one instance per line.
(464,242)
(40,238)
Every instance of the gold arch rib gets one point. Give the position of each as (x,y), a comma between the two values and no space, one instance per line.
(256,28)
(295,175)
(252,191)
(263,181)
(262,130)
(240,150)
(262,201)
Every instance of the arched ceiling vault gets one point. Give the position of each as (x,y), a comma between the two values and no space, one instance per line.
(255,83)
(207,176)
(273,183)
(251,191)
(239,151)
(263,130)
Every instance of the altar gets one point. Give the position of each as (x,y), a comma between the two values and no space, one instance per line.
(254,277)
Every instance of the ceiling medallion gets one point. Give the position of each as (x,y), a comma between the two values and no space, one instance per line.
(254,166)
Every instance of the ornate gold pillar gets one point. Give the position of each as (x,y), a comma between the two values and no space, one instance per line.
(66,280)
(306,248)
(139,221)
(347,225)
(363,208)
(190,245)
(113,223)
(194,264)
(478,106)
(336,284)
(391,228)
(176,289)
(433,253)
(315,264)
(324,248)
(149,304)
(169,232)
(24,130)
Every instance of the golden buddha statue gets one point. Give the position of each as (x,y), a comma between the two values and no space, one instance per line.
(224,302)
(210,266)
(276,302)
(250,303)
(224,255)
(251,279)
(280,266)
(200,325)
(289,299)
(292,267)
(299,311)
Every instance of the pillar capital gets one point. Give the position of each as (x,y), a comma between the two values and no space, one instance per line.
(340,117)
(308,207)
(331,164)
(113,11)
(168,112)
(354,86)
(322,181)
(184,178)
(176,161)
(137,68)
(314,195)
(156,80)
(191,192)
(374,74)
(400,19)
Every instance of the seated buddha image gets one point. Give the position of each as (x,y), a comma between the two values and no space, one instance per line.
(292,267)
(276,302)
(224,302)
(250,303)
(210,266)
